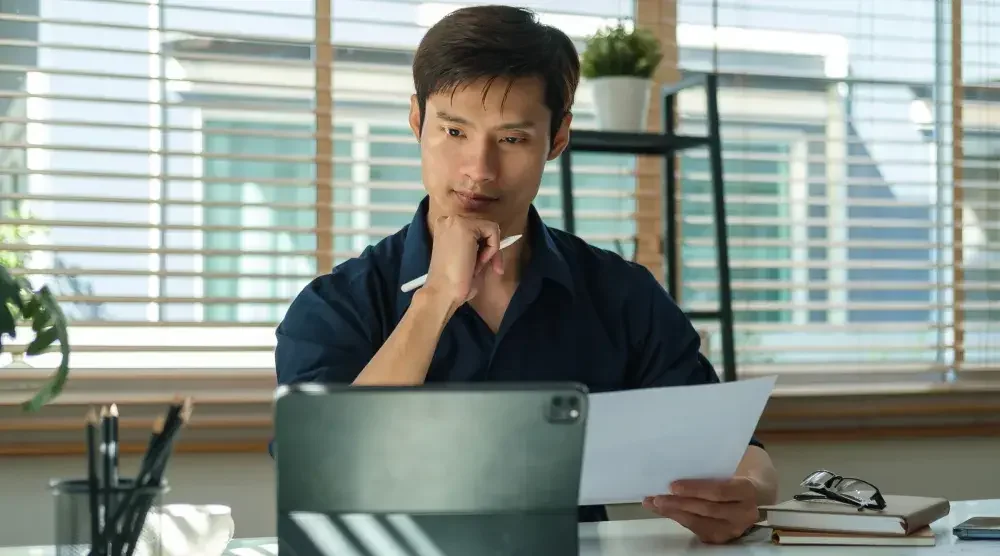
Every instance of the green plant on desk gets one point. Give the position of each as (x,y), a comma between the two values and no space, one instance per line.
(20,303)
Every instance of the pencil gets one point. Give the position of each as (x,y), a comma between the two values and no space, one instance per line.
(165,429)
(158,460)
(112,467)
(113,417)
(154,438)
(159,443)
(157,470)
(130,514)
(183,418)
(108,527)
(92,486)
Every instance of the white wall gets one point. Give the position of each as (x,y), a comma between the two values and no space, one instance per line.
(955,468)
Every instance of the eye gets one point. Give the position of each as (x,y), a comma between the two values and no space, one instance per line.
(513,140)
(453,132)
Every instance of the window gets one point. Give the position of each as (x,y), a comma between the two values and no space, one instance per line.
(759,174)
(981,235)
(13,165)
(179,189)
(842,236)
(243,216)
(604,199)
(187,174)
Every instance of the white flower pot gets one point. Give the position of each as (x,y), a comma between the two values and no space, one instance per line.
(621,102)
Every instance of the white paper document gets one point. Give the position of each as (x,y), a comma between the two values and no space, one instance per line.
(639,441)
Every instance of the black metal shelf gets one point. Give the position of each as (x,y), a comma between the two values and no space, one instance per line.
(632,143)
(667,145)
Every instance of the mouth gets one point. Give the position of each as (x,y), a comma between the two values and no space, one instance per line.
(474,201)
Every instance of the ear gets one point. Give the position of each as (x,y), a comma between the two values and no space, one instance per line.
(415,116)
(561,138)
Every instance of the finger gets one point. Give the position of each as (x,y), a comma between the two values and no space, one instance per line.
(494,264)
(704,508)
(705,528)
(498,262)
(479,273)
(489,233)
(728,490)
(477,270)
(742,514)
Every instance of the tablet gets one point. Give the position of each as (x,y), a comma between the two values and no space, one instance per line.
(453,469)
(983,527)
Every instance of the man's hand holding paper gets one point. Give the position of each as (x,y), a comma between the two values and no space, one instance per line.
(683,452)
(715,510)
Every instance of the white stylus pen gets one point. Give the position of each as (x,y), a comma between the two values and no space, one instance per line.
(417,282)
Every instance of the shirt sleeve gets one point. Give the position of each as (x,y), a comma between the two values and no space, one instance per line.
(666,348)
(328,333)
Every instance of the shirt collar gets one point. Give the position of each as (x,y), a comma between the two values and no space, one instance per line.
(546,258)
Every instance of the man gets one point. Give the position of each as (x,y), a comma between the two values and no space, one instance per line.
(492,105)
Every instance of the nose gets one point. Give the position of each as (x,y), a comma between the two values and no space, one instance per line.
(480,161)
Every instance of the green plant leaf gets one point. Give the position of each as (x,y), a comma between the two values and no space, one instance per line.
(52,308)
(30,308)
(10,305)
(53,387)
(617,51)
(50,390)
(7,323)
(40,319)
(10,288)
(19,302)
(43,340)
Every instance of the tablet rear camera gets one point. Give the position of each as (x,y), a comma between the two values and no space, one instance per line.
(564,409)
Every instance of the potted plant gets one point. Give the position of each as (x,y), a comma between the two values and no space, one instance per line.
(20,303)
(619,64)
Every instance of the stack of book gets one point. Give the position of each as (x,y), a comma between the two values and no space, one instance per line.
(905,521)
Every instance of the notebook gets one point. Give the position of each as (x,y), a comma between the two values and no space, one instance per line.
(903,515)
(921,537)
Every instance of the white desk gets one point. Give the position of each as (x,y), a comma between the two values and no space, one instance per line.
(662,537)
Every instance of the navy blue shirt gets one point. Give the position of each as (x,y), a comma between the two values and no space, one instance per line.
(580,314)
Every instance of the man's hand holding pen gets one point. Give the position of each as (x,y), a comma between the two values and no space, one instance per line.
(465,249)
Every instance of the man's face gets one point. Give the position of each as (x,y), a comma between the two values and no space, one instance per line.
(484,156)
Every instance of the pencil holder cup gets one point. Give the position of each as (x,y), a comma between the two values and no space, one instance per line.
(75,531)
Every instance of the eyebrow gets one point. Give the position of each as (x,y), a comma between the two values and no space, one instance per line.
(524,124)
(518,125)
(442,115)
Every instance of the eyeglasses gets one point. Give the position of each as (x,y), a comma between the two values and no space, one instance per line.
(827,485)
